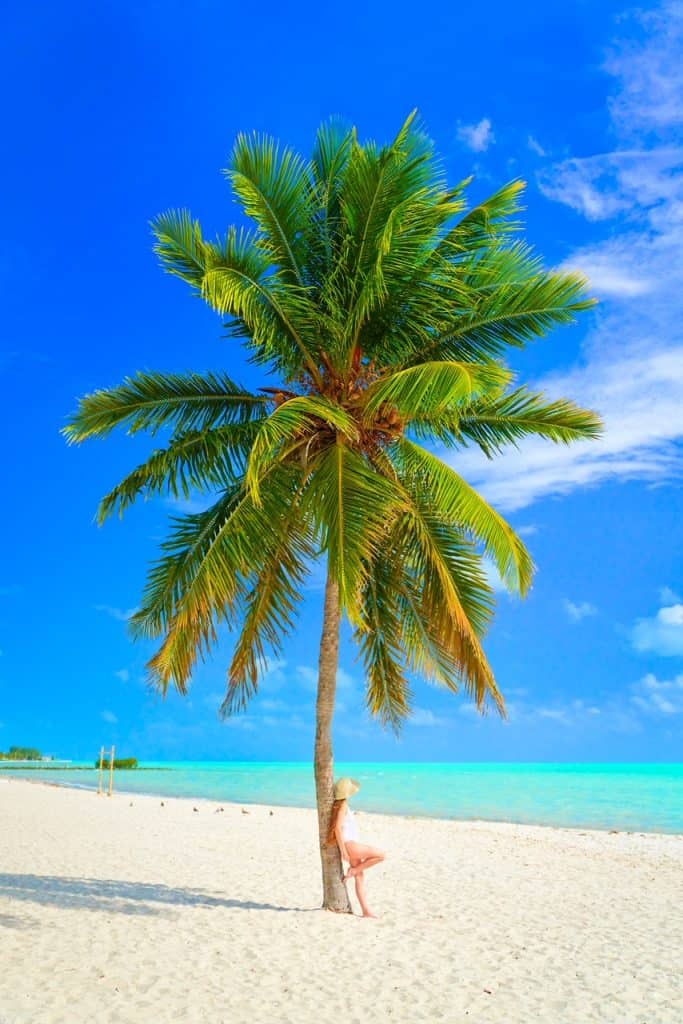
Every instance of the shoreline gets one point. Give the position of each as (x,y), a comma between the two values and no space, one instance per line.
(600,830)
(116,902)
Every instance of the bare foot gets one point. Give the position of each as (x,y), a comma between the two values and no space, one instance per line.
(369,913)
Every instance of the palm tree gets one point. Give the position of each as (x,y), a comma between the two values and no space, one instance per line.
(382,309)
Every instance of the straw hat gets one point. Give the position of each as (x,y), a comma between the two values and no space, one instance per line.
(344,788)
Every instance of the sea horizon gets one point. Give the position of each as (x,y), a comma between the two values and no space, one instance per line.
(630,796)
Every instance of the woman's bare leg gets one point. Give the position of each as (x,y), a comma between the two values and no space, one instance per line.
(360,893)
(357,869)
(362,857)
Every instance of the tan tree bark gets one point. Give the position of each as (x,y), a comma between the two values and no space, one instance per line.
(335,896)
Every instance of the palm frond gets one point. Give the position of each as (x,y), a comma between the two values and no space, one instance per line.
(494,422)
(149,401)
(433,387)
(380,640)
(330,159)
(452,498)
(276,588)
(511,308)
(205,578)
(295,420)
(203,460)
(485,223)
(275,186)
(180,246)
(455,598)
(350,505)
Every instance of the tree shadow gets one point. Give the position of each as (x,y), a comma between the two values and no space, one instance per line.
(118,896)
(10,921)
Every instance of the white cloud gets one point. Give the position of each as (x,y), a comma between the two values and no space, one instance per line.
(109,716)
(639,394)
(631,367)
(659,697)
(554,714)
(651,76)
(527,531)
(123,674)
(669,596)
(477,137)
(535,146)
(662,634)
(273,705)
(425,717)
(116,613)
(603,185)
(579,611)
(615,714)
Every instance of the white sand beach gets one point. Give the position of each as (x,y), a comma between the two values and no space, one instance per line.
(124,911)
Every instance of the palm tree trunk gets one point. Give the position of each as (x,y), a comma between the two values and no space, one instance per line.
(335,896)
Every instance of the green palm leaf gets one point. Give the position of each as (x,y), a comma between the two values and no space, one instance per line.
(380,639)
(275,187)
(201,460)
(434,387)
(276,585)
(304,418)
(150,401)
(350,505)
(495,422)
(381,306)
(459,504)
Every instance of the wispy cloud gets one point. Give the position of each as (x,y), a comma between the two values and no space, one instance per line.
(669,596)
(662,634)
(639,394)
(123,674)
(578,611)
(615,714)
(424,718)
(659,697)
(651,81)
(535,146)
(477,137)
(527,531)
(631,365)
(121,614)
(109,716)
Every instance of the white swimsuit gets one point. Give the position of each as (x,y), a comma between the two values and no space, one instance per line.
(349,827)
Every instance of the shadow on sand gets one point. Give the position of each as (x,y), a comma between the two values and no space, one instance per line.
(116,896)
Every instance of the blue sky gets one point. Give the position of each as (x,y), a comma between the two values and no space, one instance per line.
(119,111)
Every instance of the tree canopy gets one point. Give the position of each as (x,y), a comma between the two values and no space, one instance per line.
(381,310)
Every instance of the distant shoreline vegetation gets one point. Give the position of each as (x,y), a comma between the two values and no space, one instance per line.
(49,763)
(119,762)
(72,767)
(21,754)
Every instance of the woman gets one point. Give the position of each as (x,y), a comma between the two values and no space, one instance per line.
(344,832)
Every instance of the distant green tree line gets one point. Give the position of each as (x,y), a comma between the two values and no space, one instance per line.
(119,762)
(21,754)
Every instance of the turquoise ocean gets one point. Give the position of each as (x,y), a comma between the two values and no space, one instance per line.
(632,797)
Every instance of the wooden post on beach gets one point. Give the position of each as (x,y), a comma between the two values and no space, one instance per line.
(111,771)
(99,773)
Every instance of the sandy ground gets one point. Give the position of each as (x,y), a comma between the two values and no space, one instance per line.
(126,910)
